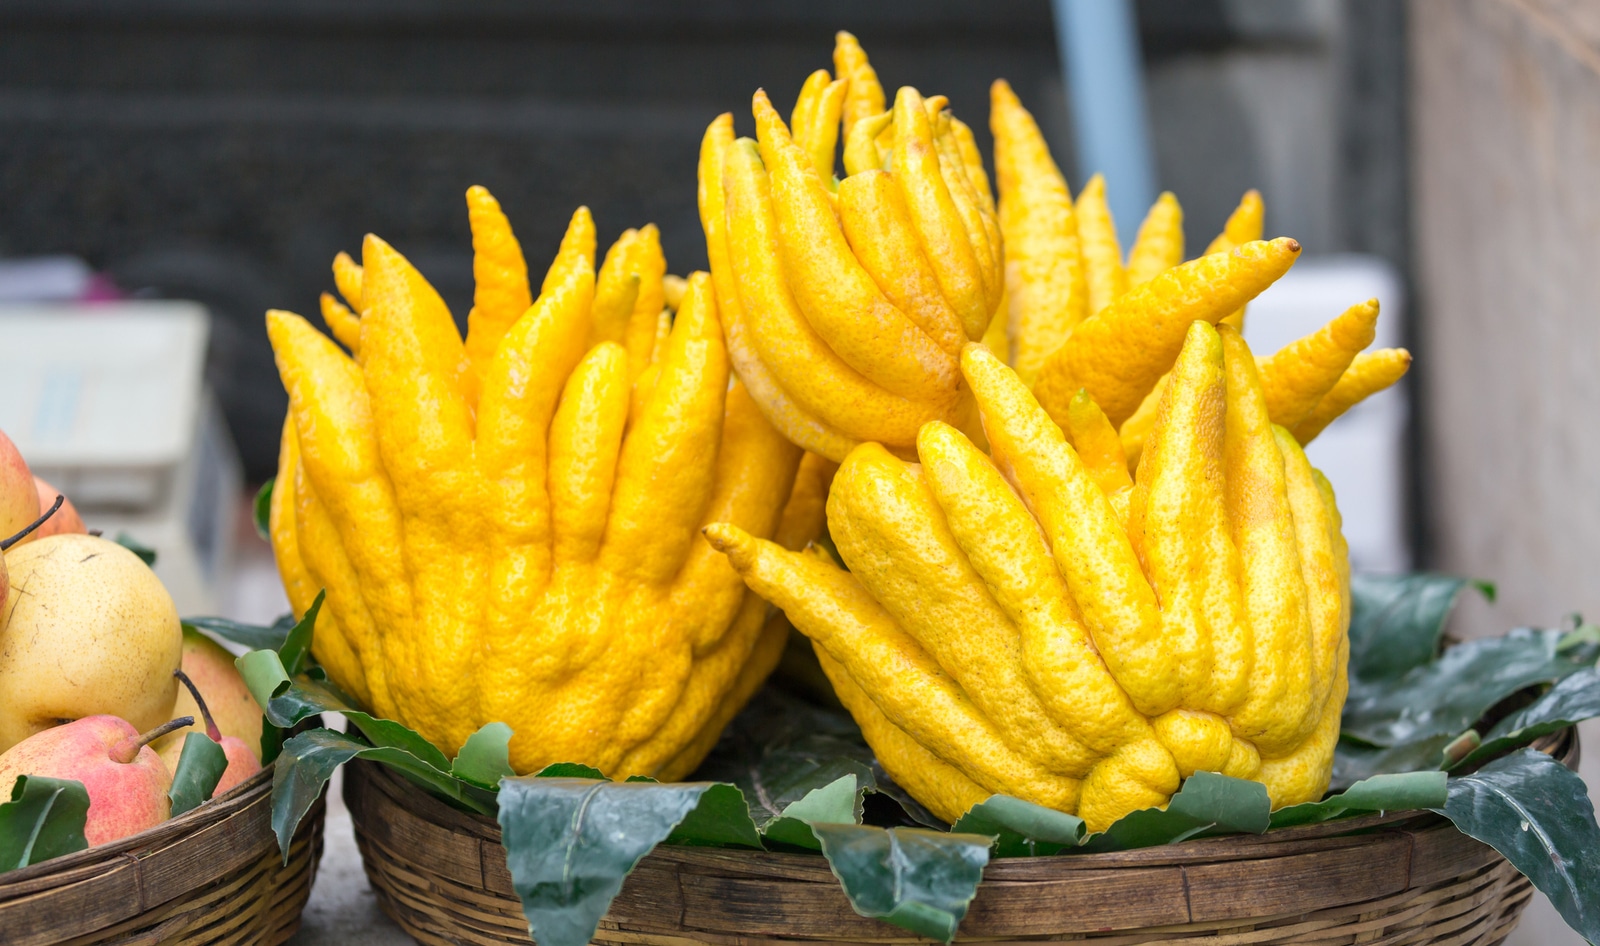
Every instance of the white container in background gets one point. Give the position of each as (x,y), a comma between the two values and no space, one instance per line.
(107,401)
(1364,452)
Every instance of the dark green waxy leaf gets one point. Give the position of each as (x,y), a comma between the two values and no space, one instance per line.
(290,702)
(1355,761)
(838,802)
(1449,695)
(917,879)
(262,509)
(1396,621)
(722,819)
(912,810)
(1207,803)
(1573,700)
(570,770)
(43,819)
(309,759)
(1021,828)
(780,748)
(1411,791)
(200,768)
(485,758)
(570,843)
(146,553)
(1537,813)
(297,643)
(253,636)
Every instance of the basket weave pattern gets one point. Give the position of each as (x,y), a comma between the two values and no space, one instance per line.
(212,876)
(1406,878)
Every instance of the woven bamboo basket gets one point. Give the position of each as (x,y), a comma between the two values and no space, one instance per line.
(1395,878)
(209,877)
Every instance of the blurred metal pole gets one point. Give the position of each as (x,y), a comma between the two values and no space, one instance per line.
(1103,72)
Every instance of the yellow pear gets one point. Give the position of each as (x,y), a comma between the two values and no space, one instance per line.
(211,668)
(87,629)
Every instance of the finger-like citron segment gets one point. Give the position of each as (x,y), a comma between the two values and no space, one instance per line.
(347,279)
(1097,444)
(881,234)
(1244,225)
(800,425)
(864,93)
(1369,373)
(500,279)
(510,531)
(815,120)
(343,324)
(1118,354)
(945,237)
(846,302)
(838,296)
(1300,374)
(1103,273)
(799,359)
(1002,629)
(1159,245)
(1046,296)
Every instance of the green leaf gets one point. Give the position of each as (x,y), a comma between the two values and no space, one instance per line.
(571,842)
(570,770)
(1411,791)
(780,748)
(1207,803)
(1354,761)
(1396,621)
(485,758)
(43,819)
(1021,828)
(145,552)
(1449,695)
(309,759)
(253,636)
(289,703)
(917,879)
(722,819)
(1571,701)
(838,802)
(271,741)
(200,768)
(1536,812)
(297,643)
(264,676)
(263,509)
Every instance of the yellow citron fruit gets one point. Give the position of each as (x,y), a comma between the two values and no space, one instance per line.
(1046,295)
(846,302)
(1030,622)
(507,525)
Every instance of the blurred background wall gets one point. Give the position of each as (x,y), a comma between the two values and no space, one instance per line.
(1506,163)
(224,152)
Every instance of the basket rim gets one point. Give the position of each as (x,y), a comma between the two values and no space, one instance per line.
(216,809)
(1563,744)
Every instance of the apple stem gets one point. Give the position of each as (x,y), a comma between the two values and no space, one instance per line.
(127,750)
(8,543)
(200,701)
